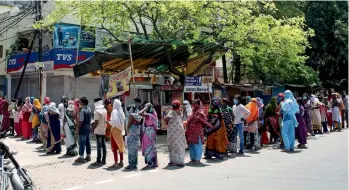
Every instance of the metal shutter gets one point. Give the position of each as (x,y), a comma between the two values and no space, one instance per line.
(88,87)
(55,88)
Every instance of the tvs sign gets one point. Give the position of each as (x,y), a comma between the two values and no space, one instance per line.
(64,57)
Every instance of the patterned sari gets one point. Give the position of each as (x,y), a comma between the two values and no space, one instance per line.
(148,135)
(176,138)
(70,134)
(132,140)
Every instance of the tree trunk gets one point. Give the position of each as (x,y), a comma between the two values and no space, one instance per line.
(237,67)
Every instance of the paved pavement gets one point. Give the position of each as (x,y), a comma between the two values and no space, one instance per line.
(323,166)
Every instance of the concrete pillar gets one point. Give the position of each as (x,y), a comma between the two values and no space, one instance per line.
(9,86)
(44,86)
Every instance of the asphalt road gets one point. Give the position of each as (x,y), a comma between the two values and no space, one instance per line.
(323,166)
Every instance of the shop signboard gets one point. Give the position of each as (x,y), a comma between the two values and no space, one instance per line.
(87,39)
(198,89)
(193,81)
(119,83)
(16,62)
(66,58)
(66,36)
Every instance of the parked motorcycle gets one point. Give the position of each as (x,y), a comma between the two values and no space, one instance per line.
(11,172)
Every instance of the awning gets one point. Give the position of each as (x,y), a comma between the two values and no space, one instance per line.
(146,54)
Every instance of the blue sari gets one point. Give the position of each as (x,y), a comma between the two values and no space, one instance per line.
(54,134)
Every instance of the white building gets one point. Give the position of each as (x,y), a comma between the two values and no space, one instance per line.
(57,81)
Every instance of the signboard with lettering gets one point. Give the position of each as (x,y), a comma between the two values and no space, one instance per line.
(193,81)
(199,89)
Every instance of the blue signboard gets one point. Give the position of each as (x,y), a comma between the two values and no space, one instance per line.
(16,62)
(64,58)
(193,81)
(66,36)
(87,39)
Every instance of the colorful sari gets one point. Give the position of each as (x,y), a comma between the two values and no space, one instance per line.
(117,123)
(5,123)
(26,112)
(132,140)
(70,134)
(195,134)
(148,139)
(176,138)
(227,114)
(35,119)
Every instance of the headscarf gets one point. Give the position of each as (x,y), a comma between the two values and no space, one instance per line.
(187,107)
(270,110)
(53,108)
(117,118)
(47,101)
(260,102)
(71,106)
(290,106)
(32,100)
(248,99)
(214,109)
(99,107)
(27,107)
(37,104)
(280,98)
(177,103)
(253,108)
(226,111)
(77,104)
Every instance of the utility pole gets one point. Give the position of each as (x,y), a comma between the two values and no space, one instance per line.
(39,31)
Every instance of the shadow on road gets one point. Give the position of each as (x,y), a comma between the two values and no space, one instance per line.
(196,165)
(168,167)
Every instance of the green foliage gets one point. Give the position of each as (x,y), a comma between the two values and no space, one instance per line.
(270,49)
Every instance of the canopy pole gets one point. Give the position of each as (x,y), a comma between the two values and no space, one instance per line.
(132,67)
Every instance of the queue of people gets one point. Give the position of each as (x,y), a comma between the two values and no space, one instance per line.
(284,119)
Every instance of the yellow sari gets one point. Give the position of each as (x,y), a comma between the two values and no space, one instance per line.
(35,119)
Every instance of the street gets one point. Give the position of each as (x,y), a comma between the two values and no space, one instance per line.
(323,166)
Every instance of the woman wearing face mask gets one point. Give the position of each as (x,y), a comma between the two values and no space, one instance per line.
(26,126)
(195,132)
(133,135)
(270,116)
(176,135)
(240,114)
(217,138)
(280,99)
(307,114)
(148,135)
(69,125)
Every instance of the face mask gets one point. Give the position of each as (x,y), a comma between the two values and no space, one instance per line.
(279,100)
(236,101)
(304,98)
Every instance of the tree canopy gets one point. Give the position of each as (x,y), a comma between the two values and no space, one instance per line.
(267,48)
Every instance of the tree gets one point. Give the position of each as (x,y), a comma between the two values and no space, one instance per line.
(329,47)
(267,48)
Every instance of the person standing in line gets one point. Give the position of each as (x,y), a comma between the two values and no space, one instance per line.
(148,135)
(289,122)
(99,127)
(44,122)
(251,121)
(227,115)
(301,130)
(109,107)
(69,125)
(240,113)
(133,135)
(26,112)
(315,112)
(280,101)
(17,117)
(195,132)
(307,114)
(5,123)
(36,121)
(187,111)
(217,138)
(117,122)
(270,116)
(54,130)
(11,110)
(176,135)
(323,113)
(62,107)
(84,128)
(336,108)
(345,110)
(261,124)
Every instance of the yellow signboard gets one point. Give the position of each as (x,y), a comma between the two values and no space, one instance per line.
(119,83)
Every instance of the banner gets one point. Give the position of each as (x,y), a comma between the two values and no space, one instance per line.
(15,63)
(119,83)
(66,36)
(87,39)
(198,89)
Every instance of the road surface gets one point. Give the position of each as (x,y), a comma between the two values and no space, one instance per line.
(323,166)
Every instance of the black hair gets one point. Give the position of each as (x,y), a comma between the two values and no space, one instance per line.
(300,100)
(84,100)
(13,100)
(197,101)
(238,98)
(97,99)
(137,100)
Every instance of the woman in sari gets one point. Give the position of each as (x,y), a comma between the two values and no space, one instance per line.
(148,135)
(44,122)
(36,121)
(270,116)
(54,130)
(301,130)
(227,115)
(315,113)
(117,122)
(133,134)
(5,124)
(176,135)
(18,121)
(69,125)
(26,112)
(307,114)
(217,138)
(109,107)
(263,140)
(195,132)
